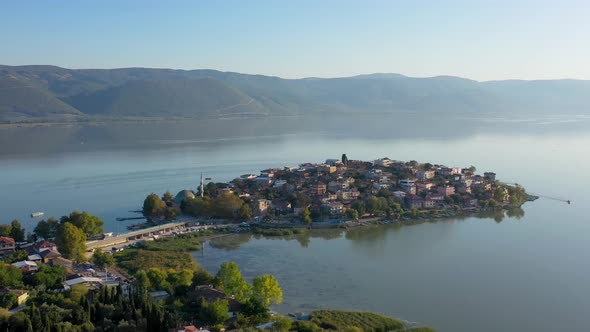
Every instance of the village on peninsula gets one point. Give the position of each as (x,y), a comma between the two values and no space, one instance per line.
(342,190)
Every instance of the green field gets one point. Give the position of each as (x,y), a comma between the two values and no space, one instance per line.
(134,260)
(367,321)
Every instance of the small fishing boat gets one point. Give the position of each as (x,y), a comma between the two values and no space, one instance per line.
(37,214)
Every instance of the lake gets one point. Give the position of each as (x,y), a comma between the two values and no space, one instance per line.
(523,273)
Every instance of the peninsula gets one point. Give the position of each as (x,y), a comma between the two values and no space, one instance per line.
(340,191)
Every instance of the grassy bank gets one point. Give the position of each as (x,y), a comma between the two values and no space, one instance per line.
(168,253)
(367,321)
(267,231)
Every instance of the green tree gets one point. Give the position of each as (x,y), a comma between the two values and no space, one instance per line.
(472,169)
(352,214)
(8,300)
(245,212)
(50,276)
(20,322)
(5,230)
(168,197)
(17,232)
(158,279)
(47,229)
(305,216)
(281,323)
(170,213)
(229,279)
(266,289)
(359,206)
(89,224)
(255,311)
(303,326)
(153,205)
(142,279)
(215,312)
(103,260)
(10,276)
(226,205)
(344,159)
(71,242)
(202,277)
(199,206)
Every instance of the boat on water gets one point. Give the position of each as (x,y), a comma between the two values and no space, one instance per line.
(37,214)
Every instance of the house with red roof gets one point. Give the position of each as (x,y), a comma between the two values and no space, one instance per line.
(7,244)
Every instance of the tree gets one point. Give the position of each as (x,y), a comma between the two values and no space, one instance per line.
(202,277)
(10,276)
(158,279)
(281,323)
(214,312)
(226,205)
(8,300)
(168,197)
(229,279)
(305,216)
(359,206)
(344,159)
(89,224)
(153,205)
(47,229)
(17,232)
(49,276)
(266,289)
(170,213)
(5,230)
(255,311)
(245,212)
(142,279)
(352,214)
(102,260)
(71,242)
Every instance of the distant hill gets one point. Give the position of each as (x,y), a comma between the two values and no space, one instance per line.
(46,93)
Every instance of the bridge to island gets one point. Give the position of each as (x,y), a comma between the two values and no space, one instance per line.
(135,235)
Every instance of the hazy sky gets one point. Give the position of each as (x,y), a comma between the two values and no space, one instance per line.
(477,39)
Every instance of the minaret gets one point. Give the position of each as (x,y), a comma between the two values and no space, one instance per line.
(202,186)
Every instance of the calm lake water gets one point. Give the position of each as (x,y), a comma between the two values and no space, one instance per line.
(521,274)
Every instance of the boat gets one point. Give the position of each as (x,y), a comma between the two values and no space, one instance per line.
(37,214)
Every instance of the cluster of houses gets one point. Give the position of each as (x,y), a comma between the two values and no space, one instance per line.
(45,253)
(332,187)
(41,252)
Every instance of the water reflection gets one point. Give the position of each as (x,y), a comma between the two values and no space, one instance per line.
(370,238)
(219,134)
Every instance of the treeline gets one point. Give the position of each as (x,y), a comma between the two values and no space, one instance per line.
(79,310)
(226,205)
(70,233)
(14,230)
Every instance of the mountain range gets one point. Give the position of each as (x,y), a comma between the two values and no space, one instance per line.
(49,93)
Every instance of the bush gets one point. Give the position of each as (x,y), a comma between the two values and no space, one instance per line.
(8,300)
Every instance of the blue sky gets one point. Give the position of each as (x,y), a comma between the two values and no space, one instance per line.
(478,39)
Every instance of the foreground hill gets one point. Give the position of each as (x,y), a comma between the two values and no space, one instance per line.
(46,93)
